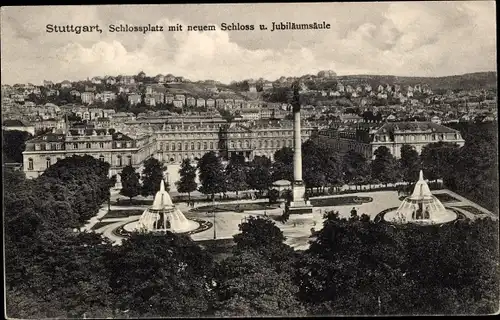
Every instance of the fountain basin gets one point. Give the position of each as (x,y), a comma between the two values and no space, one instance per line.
(187,226)
(397,217)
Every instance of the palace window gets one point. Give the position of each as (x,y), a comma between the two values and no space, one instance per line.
(239,144)
(272,143)
(277,144)
(30,164)
(119,160)
(211,145)
(129,160)
(161,146)
(101,145)
(167,146)
(186,146)
(47,161)
(58,146)
(101,158)
(118,144)
(199,146)
(205,146)
(192,145)
(247,144)
(129,144)
(260,144)
(89,145)
(265,143)
(179,146)
(75,145)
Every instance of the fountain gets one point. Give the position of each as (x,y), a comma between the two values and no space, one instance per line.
(421,207)
(162,216)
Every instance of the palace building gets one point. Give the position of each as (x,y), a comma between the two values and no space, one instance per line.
(116,148)
(170,141)
(180,140)
(365,138)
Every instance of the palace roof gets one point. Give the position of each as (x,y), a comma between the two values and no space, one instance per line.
(414,126)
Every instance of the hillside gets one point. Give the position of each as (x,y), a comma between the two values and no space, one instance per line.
(201,91)
(469,81)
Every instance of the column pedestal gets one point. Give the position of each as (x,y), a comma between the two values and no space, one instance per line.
(299,205)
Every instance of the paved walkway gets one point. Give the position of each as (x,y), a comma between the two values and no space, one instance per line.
(297,229)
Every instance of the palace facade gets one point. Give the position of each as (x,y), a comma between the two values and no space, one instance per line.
(116,148)
(169,141)
(366,138)
(180,140)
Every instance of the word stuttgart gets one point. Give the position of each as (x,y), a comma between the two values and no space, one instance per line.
(50,28)
(299,26)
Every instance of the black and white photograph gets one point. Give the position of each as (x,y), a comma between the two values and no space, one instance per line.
(250,160)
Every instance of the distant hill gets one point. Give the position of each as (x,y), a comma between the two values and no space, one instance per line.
(469,81)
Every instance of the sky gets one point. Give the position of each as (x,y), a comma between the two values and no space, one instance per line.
(384,38)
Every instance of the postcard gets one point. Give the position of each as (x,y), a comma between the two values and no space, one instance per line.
(249,160)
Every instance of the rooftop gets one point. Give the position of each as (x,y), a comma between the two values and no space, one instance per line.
(415,126)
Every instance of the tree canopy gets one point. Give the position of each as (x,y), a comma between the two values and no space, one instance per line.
(131,185)
(152,175)
(187,172)
(212,175)
(13,145)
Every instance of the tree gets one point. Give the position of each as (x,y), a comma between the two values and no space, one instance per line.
(438,159)
(154,275)
(355,167)
(384,166)
(187,183)
(259,175)
(236,175)
(152,175)
(13,144)
(247,285)
(212,176)
(282,168)
(409,163)
(131,186)
(321,165)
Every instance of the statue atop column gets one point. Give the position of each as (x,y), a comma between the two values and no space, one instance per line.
(296,96)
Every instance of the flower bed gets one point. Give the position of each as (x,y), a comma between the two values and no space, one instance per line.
(340,201)
(445,197)
(236,207)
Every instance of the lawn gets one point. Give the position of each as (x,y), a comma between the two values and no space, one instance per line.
(122,213)
(340,201)
(471,209)
(101,224)
(236,207)
(134,202)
